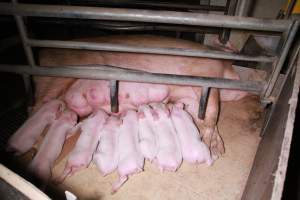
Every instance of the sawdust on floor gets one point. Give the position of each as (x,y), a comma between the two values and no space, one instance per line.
(239,125)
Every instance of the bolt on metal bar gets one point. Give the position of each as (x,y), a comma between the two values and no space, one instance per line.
(279,64)
(112,73)
(203,102)
(114,102)
(166,17)
(140,49)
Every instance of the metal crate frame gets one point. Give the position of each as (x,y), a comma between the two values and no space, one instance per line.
(287,28)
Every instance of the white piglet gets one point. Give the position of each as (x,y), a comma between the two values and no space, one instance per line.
(131,160)
(169,152)
(148,142)
(52,145)
(82,154)
(28,134)
(106,155)
(192,148)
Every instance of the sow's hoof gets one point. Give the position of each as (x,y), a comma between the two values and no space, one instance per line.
(215,144)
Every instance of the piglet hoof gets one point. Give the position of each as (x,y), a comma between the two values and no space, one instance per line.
(118,184)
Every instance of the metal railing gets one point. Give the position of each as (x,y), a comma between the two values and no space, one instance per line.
(288,29)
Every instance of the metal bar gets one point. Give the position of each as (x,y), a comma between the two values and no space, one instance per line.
(279,64)
(231,6)
(147,4)
(290,9)
(121,26)
(140,49)
(243,8)
(114,101)
(203,102)
(166,17)
(24,39)
(113,73)
(29,55)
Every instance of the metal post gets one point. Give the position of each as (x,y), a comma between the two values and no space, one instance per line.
(29,55)
(243,8)
(203,102)
(114,103)
(279,64)
(290,9)
(230,10)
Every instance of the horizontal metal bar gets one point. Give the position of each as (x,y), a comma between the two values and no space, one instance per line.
(149,4)
(138,49)
(169,17)
(112,73)
(120,26)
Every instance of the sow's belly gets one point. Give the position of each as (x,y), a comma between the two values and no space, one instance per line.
(84,96)
(131,94)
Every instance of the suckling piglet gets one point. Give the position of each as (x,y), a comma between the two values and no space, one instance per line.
(192,148)
(130,158)
(81,156)
(51,146)
(28,134)
(147,138)
(106,155)
(169,152)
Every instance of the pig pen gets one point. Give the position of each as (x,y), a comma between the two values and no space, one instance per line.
(245,171)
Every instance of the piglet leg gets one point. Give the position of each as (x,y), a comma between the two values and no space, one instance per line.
(29,132)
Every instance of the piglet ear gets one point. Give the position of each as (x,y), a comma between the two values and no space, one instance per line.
(60,110)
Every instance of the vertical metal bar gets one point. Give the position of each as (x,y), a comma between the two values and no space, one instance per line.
(29,55)
(203,102)
(114,102)
(279,64)
(243,8)
(24,38)
(230,10)
(289,9)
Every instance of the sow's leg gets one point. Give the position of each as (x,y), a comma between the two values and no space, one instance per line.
(207,126)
